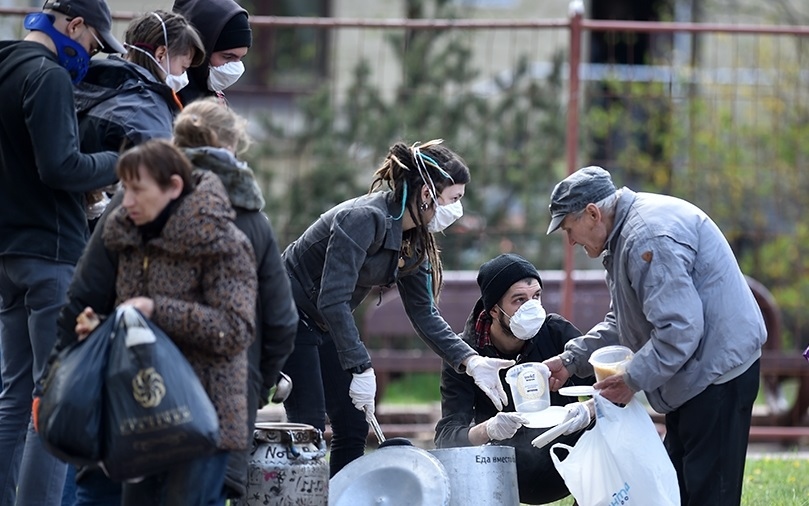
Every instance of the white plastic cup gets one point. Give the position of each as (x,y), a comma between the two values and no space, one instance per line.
(529,387)
(610,360)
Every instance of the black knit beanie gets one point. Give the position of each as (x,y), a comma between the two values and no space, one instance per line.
(497,275)
(235,33)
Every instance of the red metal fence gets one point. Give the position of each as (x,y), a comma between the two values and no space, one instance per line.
(716,114)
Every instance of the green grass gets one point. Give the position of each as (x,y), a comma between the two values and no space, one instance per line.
(413,388)
(776,482)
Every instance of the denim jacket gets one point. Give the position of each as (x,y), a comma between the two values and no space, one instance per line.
(349,250)
(678,300)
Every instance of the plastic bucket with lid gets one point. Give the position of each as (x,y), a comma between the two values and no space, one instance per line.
(610,360)
(529,387)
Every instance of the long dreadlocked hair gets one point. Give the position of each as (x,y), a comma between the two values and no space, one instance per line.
(402,172)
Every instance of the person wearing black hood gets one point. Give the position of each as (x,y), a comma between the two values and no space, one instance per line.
(226,33)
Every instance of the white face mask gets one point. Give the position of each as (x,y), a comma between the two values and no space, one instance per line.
(445,216)
(528,319)
(176,83)
(224,76)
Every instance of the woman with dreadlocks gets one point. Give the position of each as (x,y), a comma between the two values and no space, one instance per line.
(375,240)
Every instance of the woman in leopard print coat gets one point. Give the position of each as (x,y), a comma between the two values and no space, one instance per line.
(188,268)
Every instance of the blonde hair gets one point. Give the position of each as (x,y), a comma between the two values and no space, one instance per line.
(210,122)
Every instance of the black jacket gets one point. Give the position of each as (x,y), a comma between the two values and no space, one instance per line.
(208,17)
(463,405)
(43,174)
(121,104)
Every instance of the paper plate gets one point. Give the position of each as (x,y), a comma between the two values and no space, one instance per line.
(577,391)
(548,417)
(395,476)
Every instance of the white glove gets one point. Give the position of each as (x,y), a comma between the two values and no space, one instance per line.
(504,425)
(486,373)
(363,390)
(579,412)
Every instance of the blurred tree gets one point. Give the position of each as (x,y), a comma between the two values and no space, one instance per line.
(512,139)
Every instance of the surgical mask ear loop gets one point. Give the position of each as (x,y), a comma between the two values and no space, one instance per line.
(420,158)
(425,176)
(167,70)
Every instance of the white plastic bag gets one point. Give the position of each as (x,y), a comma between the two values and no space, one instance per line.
(621,461)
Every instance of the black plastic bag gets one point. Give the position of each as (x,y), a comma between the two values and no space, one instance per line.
(157,412)
(71,407)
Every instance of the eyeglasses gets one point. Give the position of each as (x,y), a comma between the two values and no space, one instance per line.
(100,45)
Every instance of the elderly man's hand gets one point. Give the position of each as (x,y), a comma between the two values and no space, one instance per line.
(615,389)
(559,373)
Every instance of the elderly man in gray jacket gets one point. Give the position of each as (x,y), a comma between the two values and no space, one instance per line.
(681,303)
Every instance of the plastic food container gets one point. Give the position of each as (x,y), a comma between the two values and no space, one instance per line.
(529,387)
(610,360)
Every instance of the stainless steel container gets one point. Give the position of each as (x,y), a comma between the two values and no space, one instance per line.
(287,466)
(397,475)
(480,475)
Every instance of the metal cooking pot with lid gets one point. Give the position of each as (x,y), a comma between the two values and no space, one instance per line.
(392,476)
(396,474)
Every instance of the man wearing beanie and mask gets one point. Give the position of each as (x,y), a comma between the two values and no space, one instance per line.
(225,31)
(508,322)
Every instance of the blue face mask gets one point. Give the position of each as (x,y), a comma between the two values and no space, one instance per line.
(72,56)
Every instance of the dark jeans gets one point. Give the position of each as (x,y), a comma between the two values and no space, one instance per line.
(32,291)
(93,488)
(706,439)
(320,388)
(199,482)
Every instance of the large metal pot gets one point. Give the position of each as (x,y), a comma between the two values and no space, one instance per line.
(287,466)
(480,475)
(397,475)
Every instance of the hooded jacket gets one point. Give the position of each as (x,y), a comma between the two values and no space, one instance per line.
(43,175)
(276,315)
(208,17)
(121,104)
(200,272)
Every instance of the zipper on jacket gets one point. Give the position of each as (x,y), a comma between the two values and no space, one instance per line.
(145,263)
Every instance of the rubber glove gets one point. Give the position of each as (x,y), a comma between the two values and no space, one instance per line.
(486,373)
(363,390)
(504,425)
(579,412)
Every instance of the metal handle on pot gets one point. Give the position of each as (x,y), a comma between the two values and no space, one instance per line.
(371,417)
